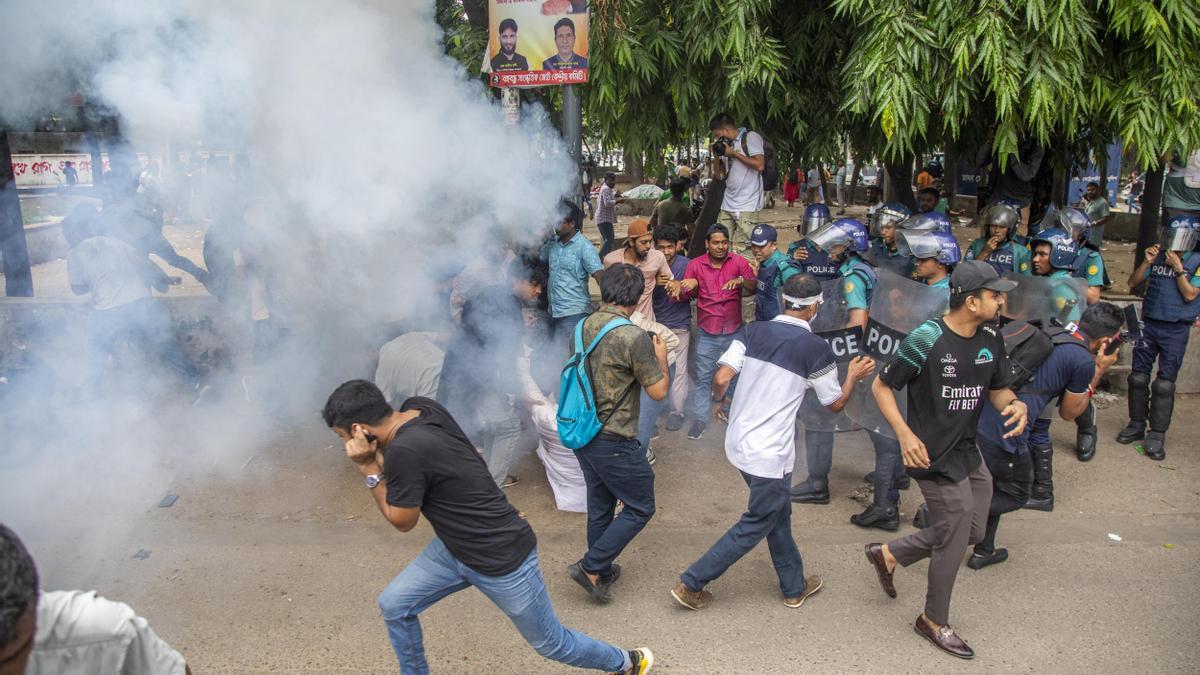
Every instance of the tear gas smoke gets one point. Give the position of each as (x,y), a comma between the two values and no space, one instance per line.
(378,164)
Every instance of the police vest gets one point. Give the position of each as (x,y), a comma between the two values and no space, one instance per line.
(819,266)
(1163,300)
(1004,259)
(899,264)
(766,295)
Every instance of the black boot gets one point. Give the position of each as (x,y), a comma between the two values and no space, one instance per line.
(1139,408)
(1041,496)
(811,492)
(1162,404)
(1085,435)
(880,516)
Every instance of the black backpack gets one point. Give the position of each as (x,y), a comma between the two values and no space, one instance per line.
(1029,345)
(770,172)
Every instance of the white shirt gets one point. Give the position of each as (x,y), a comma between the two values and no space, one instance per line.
(410,365)
(743,186)
(779,361)
(562,466)
(109,268)
(80,633)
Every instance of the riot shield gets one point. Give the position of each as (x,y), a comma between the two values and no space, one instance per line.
(898,306)
(1042,299)
(830,324)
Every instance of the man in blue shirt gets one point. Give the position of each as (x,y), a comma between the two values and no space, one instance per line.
(1071,374)
(677,316)
(572,259)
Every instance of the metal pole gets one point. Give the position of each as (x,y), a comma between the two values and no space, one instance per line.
(573,133)
(18,277)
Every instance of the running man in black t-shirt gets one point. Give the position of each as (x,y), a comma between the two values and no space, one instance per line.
(950,366)
(417,460)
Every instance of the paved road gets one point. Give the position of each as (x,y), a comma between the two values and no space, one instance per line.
(271,562)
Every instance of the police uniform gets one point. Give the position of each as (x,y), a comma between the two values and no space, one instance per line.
(772,272)
(1088,265)
(817,264)
(1009,258)
(1168,319)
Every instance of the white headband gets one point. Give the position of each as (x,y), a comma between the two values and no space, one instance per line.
(801,302)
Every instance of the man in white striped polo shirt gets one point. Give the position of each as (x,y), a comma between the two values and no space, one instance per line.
(780,360)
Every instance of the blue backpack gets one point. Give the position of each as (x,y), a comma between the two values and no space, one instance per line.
(578,422)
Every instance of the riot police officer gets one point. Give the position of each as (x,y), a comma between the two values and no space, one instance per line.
(805,256)
(773,270)
(996,247)
(935,253)
(1088,265)
(884,253)
(845,240)
(1172,302)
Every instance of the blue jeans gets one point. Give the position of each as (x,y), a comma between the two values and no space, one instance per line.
(709,349)
(649,413)
(614,469)
(768,516)
(607,238)
(563,328)
(521,595)
(889,466)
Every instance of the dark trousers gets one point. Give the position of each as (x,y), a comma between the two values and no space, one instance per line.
(614,470)
(889,467)
(607,237)
(768,516)
(563,330)
(1012,479)
(957,515)
(1165,341)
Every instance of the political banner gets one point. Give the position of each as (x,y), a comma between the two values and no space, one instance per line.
(830,325)
(1042,300)
(898,306)
(537,43)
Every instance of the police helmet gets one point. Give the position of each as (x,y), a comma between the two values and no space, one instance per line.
(1002,214)
(892,212)
(1180,234)
(846,232)
(927,222)
(816,216)
(1063,248)
(1075,222)
(925,244)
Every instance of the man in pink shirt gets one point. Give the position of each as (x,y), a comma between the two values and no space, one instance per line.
(639,251)
(717,281)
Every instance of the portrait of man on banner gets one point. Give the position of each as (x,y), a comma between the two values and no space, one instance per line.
(564,39)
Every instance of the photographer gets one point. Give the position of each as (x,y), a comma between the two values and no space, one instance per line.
(743,156)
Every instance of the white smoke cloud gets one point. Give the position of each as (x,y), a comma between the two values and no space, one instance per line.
(378,157)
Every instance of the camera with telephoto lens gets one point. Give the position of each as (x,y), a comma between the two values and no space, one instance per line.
(1133,330)
(720,147)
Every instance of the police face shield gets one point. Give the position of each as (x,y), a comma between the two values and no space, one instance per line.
(830,238)
(898,306)
(1045,300)
(1178,239)
(918,244)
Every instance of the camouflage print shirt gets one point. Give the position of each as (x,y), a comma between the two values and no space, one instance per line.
(620,366)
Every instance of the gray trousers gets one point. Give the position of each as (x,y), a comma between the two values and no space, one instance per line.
(957,518)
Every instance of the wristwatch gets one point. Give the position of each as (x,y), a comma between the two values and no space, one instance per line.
(373,480)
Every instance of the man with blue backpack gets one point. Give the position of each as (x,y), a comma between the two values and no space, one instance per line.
(599,406)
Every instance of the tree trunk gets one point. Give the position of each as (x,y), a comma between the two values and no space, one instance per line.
(18,277)
(709,213)
(1102,165)
(900,178)
(635,167)
(950,170)
(1150,221)
(854,183)
(477,12)
(824,191)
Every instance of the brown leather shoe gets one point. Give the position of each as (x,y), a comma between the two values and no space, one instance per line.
(811,586)
(875,557)
(691,599)
(943,638)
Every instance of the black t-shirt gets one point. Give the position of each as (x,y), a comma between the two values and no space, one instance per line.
(430,464)
(948,378)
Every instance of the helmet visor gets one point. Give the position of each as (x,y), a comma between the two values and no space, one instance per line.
(1178,239)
